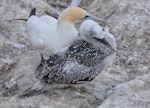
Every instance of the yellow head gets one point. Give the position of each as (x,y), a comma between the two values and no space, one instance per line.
(74,14)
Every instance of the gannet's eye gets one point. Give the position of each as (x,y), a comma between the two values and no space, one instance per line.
(86,17)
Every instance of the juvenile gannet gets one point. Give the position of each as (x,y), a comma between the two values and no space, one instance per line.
(48,34)
(80,63)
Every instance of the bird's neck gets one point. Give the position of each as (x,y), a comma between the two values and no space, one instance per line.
(67,33)
(67,29)
(61,26)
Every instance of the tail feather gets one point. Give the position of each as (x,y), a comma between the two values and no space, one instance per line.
(33,12)
(18,19)
(30,92)
(36,89)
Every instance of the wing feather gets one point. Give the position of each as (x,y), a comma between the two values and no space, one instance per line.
(80,63)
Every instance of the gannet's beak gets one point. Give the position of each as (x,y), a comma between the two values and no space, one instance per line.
(105,43)
(93,18)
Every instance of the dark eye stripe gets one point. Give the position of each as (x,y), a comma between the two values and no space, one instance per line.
(86,17)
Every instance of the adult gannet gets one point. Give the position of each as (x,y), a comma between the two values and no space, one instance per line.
(80,63)
(49,35)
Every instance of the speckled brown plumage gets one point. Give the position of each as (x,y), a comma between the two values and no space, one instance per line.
(80,63)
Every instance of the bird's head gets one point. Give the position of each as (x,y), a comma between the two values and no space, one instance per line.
(75,14)
(92,32)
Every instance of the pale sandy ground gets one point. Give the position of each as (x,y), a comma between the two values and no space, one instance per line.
(126,84)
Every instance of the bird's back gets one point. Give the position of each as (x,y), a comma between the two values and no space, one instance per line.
(49,20)
(41,31)
(80,63)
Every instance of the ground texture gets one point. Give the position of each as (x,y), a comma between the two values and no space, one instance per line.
(126,84)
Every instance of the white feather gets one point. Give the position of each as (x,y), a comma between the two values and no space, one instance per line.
(44,36)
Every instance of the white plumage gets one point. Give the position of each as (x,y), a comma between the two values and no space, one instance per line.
(49,35)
